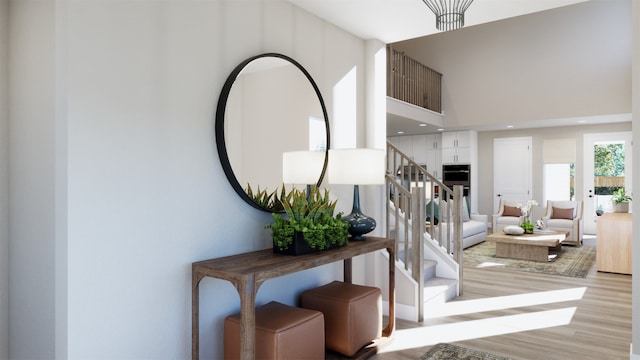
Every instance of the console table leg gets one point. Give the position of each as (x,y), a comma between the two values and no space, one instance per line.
(247,291)
(347,270)
(195,315)
(387,331)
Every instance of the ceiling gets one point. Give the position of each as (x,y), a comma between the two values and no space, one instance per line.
(396,20)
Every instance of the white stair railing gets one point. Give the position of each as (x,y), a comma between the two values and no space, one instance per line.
(410,186)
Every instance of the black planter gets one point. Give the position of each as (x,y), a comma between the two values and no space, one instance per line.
(299,246)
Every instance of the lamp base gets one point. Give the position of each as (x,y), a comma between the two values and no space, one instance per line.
(359,224)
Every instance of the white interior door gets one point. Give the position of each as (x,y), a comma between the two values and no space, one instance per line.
(511,169)
(590,198)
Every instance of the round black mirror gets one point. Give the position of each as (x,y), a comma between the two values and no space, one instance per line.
(269,105)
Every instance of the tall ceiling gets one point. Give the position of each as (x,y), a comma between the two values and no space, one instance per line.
(391,21)
(397,20)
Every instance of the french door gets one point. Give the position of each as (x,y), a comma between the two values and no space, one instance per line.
(607,166)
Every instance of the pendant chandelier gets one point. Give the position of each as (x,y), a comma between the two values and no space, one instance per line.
(449,13)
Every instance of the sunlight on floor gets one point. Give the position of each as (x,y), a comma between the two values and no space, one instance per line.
(505,302)
(473,329)
(496,325)
(487,264)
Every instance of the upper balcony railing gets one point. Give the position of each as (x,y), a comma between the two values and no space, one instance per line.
(412,82)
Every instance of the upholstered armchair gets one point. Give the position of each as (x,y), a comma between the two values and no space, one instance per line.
(567,216)
(508,214)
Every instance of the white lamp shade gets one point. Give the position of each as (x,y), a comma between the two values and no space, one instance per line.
(356,166)
(302,167)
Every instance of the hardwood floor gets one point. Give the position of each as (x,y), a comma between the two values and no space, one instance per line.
(527,316)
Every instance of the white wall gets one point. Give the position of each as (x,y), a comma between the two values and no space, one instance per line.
(567,62)
(485,157)
(32,170)
(4,181)
(124,121)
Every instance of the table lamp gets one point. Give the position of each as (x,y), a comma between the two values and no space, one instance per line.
(302,167)
(357,167)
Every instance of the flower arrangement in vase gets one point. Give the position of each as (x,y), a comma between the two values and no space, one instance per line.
(525,212)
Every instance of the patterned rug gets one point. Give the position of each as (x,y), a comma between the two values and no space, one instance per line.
(445,351)
(571,261)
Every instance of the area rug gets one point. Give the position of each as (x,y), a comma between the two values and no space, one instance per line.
(444,351)
(571,261)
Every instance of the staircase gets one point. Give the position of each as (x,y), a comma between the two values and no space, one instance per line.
(428,255)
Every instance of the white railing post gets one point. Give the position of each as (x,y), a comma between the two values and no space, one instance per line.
(417,243)
(457,232)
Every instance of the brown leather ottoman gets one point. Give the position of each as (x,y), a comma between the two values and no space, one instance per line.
(352,314)
(282,332)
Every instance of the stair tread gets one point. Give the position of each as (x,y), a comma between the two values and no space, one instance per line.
(437,286)
(436,281)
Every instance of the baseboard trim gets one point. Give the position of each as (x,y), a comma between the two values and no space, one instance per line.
(633,356)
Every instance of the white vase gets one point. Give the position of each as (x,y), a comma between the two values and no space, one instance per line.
(621,207)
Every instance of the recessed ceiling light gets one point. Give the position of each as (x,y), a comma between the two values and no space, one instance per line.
(400,132)
(423,125)
(441,129)
(509,126)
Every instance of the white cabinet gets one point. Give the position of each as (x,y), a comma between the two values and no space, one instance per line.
(456,156)
(404,143)
(419,148)
(455,139)
(434,162)
(459,147)
(433,141)
(423,149)
(434,154)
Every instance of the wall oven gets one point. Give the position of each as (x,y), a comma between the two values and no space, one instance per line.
(457,174)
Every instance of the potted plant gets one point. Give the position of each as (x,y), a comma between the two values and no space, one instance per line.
(527,226)
(308,223)
(266,200)
(525,212)
(620,201)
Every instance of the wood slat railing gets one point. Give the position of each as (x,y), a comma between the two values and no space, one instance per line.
(412,82)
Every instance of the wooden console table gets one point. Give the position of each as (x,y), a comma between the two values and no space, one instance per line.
(249,270)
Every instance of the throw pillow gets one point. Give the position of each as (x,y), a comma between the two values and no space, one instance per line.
(513,230)
(444,211)
(466,214)
(435,212)
(559,213)
(511,211)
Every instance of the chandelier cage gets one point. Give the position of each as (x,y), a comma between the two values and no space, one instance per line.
(449,13)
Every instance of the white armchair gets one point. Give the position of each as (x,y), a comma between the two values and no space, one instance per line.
(567,216)
(507,214)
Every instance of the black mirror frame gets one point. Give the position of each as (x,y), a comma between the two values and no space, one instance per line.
(219,124)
